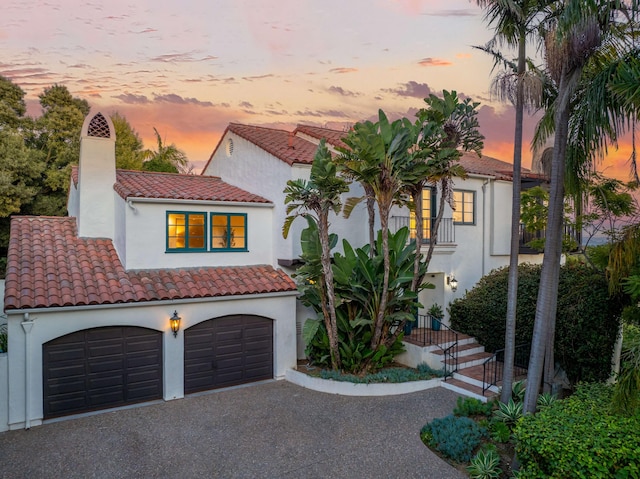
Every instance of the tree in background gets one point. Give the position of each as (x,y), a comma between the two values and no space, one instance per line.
(129,146)
(167,158)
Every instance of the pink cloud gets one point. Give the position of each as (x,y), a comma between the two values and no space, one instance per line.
(343,70)
(434,62)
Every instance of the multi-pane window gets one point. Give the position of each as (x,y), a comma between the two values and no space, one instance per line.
(228,231)
(186,231)
(428,215)
(464,213)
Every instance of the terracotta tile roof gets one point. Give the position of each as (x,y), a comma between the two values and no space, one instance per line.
(144,184)
(149,184)
(276,142)
(334,137)
(487,165)
(49,266)
(280,143)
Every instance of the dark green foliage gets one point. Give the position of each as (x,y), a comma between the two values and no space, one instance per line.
(455,437)
(579,437)
(499,431)
(469,407)
(358,285)
(387,375)
(587,319)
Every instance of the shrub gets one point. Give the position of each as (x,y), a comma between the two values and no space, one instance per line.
(472,407)
(587,318)
(499,431)
(358,280)
(3,338)
(485,465)
(454,437)
(579,437)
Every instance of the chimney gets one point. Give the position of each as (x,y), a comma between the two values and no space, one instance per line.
(96,177)
(291,135)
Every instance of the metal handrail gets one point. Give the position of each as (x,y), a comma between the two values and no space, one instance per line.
(446,231)
(443,337)
(493,367)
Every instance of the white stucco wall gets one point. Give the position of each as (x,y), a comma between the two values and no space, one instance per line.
(26,384)
(253,169)
(146,236)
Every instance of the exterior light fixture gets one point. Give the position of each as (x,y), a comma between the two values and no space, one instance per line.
(453,282)
(175,323)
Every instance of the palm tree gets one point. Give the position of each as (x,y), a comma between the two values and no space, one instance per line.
(582,39)
(447,127)
(378,154)
(514,23)
(315,199)
(167,158)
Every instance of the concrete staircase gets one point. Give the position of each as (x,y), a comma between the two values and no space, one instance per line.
(467,380)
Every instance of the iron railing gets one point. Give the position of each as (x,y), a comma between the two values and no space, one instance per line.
(493,367)
(570,232)
(428,330)
(446,231)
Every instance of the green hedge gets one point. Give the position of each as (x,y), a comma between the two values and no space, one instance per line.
(579,437)
(587,319)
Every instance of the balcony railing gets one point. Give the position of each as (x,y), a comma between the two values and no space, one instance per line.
(526,237)
(446,232)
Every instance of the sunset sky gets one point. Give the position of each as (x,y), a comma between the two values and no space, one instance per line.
(190,67)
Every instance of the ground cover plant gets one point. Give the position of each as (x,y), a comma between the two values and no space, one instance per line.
(386,375)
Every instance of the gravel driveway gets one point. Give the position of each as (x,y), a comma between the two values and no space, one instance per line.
(269,430)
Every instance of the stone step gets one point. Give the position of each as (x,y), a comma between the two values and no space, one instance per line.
(469,390)
(466,361)
(464,349)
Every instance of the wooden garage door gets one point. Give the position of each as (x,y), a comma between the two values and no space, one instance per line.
(101,368)
(227,351)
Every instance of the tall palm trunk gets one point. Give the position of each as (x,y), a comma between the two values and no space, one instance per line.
(327,270)
(371,211)
(512,288)
(541,361)
(379,321)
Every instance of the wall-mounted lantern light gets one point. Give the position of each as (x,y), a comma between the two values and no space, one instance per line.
(175,323)
(453,282)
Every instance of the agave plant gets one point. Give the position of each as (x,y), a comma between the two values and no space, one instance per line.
(546,400)
(509,412)
(485,465)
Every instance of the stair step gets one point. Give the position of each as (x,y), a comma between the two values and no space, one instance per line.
(470,360)
(467,389)
(469,348)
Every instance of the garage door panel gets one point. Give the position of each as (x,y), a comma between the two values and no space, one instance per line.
(123,367)
(227,351)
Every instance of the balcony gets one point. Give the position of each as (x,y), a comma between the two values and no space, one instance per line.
(572,235)
(446,232)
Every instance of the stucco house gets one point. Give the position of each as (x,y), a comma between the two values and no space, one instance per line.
(472,240)
(156,285)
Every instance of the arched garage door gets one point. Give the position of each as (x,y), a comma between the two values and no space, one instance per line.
(227,351)
(101,368)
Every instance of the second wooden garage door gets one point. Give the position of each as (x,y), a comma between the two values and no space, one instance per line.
(227,351)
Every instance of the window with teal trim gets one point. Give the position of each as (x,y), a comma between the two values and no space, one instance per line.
(464,213)
(186,231)
(228,232)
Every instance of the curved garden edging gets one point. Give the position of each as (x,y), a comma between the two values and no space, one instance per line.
(352,389)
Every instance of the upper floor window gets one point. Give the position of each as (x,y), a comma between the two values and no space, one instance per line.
(186,231)
(465,207)
(228,231)
(428,214)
